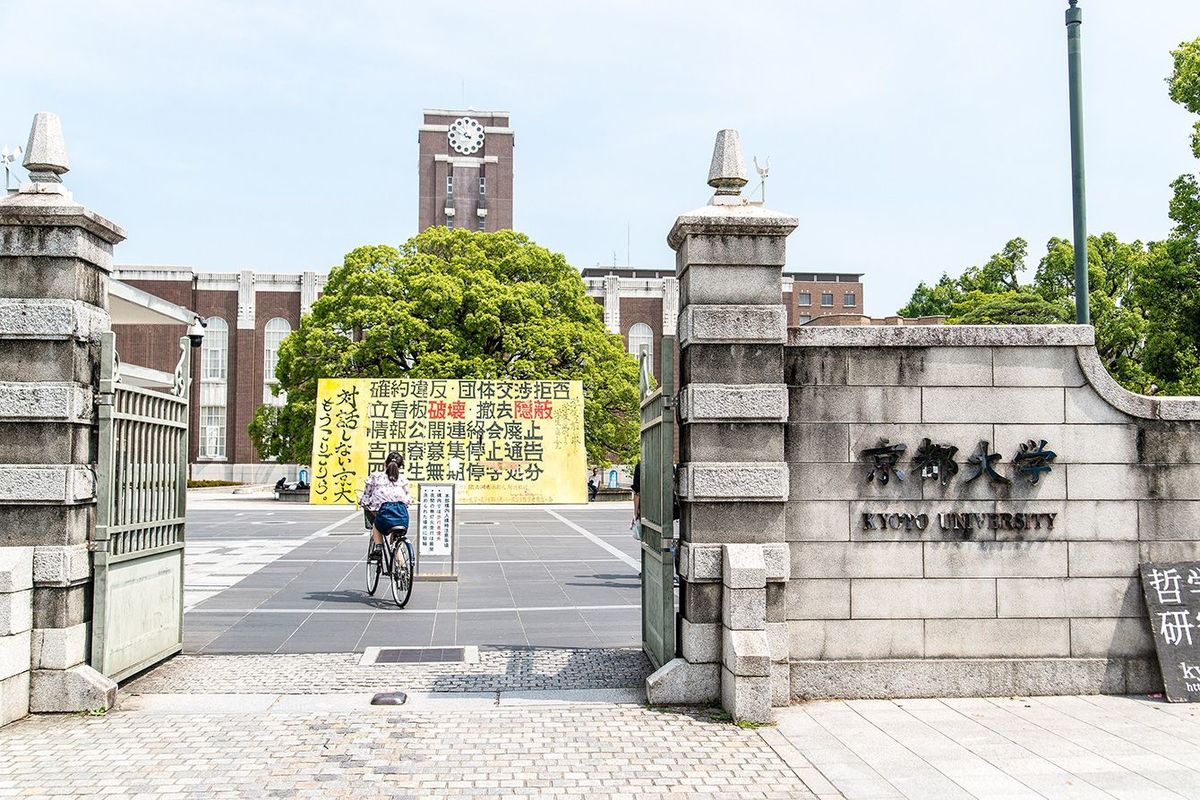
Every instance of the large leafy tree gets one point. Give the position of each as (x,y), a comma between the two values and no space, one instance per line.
(1145,300)
(1170,285)
(1000,274)
(1184,84)
(455,304)
(994,294)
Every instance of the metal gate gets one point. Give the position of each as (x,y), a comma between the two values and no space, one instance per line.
(141,495)
(657,508)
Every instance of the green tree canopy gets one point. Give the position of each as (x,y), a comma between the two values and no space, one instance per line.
(994,295)
(1001,273)
(1169,288)
(1022,307)
(1145,300)
(1185,84)
(455,304)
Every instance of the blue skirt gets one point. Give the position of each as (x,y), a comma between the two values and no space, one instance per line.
(391,515)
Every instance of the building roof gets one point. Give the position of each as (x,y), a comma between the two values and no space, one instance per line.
(129,305)
(601,270)
(465,112)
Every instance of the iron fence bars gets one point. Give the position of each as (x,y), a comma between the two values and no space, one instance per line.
(657,507)
(141,496)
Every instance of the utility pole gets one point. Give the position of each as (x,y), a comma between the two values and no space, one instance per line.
(1078,194)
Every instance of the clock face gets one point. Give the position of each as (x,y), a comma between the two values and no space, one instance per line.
(466,135)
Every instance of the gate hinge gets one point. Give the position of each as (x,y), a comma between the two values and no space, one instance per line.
(668,401)
(104,399)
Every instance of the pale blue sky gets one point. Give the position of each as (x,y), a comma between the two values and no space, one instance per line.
(909,137)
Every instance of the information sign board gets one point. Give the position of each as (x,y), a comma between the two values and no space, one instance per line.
(435,519)
(1172,593)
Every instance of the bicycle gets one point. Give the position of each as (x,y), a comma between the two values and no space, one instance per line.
(397,559)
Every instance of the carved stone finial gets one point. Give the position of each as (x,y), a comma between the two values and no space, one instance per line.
(46,153)
(728,171)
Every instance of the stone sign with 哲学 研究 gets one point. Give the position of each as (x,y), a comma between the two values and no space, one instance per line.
(1173,603)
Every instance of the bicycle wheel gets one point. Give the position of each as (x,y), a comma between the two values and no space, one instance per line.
(374,568)
(402,572)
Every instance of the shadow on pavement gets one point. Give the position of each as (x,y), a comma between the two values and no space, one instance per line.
(538,668)
(355,597)
(625,581)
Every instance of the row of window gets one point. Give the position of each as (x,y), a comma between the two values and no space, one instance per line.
(450,222)
(450,198)
(214,369)
(450,186)
(214,373)
(805,299)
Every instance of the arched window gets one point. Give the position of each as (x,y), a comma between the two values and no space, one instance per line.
(214,370)
(641,336)
(273,335)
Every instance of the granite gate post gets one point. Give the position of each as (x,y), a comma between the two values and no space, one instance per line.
(733,477)
(55,258)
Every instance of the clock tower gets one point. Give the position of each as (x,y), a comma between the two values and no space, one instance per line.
(465,170)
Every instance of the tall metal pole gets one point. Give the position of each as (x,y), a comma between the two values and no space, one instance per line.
(1078,194)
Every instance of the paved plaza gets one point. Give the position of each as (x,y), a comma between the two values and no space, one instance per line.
(563,723)
(272,697)
(273,578)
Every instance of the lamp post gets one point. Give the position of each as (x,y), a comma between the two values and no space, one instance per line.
(1078,199)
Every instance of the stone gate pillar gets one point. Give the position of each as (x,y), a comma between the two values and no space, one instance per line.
(733,477)
(55,258)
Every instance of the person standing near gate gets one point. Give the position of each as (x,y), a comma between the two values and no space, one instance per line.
(388,495)
(636,525)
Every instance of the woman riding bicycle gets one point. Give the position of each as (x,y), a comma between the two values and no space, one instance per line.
(387,494)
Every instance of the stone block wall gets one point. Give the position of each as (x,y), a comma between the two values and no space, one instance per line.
(915,588)
(16,624)
(55,260)
(732,481)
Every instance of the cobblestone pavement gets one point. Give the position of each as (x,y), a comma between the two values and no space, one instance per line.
(339,673)
(564,751)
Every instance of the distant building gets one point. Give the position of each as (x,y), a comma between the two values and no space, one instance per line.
(465,170)
(641,303)
(248,315)
(465,179)
(834,320)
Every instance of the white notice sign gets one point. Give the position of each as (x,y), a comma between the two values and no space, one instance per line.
(436,519)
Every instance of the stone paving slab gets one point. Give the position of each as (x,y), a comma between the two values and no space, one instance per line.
(567,723)
(361,702)
(594,751)
(1013,747)
(497,670)
(292,580)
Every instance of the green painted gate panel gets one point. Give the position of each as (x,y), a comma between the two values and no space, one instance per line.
(141,497)
(657,508)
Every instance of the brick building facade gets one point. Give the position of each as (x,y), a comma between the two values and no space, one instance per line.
(249,313)
(465,170)
(465,179)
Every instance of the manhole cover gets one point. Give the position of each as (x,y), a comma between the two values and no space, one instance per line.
(409,655)
(389,699)
(420,655)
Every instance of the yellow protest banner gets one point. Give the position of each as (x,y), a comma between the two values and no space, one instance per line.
(498,441)
(339,442)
